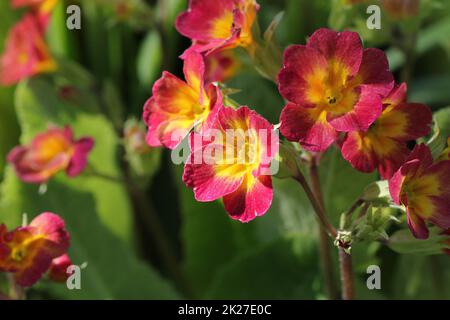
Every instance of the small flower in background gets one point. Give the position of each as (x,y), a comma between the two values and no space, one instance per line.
(332,85)
(424,189)
(401,9)
(49,153)
(26,53)
(239,174)
(219,24)
(384,144)
(58,268)
(177,106)
(27,252)
(41,6)
(134,137)
(221,66)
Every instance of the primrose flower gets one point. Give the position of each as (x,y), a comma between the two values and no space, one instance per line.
(26,54)
(232,161)
(42,6)
(221,66)
(384,144)
(58,268)
(218,24)
(50,152)
(424,189)
(332,85)
(27,252)
(177,106)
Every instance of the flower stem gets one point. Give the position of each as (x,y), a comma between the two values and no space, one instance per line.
(325,253)
(90,170)
(318,209)
(346,268)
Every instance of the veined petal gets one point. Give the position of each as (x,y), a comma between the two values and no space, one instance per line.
(358,152)
(344,47)
(417,226)
(397,95)
(211,181)
(301,80)
(173,95)
(206,20)
(374,72)
(194,70)
(252,199)
(405,122)
(308,126)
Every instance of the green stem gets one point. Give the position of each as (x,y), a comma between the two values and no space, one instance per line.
(144,208)
(325,252)
(91,171)
(318,209)
(16,292)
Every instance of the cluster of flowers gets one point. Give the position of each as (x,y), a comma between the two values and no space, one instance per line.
(28,252)
(337,92)
(26,53)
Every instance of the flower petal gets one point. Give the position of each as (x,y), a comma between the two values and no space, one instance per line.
(364,113)
(252,199)
(301,79)
(344,47)
(308,126)
(375,73)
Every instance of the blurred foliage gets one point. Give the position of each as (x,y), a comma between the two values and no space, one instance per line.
(106,73)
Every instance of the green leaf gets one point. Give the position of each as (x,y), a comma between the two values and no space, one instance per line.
(149,59)
(378,193)
(284,269)
(431,90)
(442,132)
(404,242)
(342,184)
(434,35)
(258,94)
(108,257)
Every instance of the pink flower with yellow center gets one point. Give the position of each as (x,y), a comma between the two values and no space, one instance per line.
(27,252)
(221,65)
(26,53)
(332,85)
(218,24)
(232,161)
(424,189)
(384,144)
(58,268)
(177,106)
(42,6)
(49,153)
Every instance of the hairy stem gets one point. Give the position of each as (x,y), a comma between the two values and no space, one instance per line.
(325,252)
(346,268)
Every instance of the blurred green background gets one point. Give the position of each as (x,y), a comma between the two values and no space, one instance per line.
(149,239)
